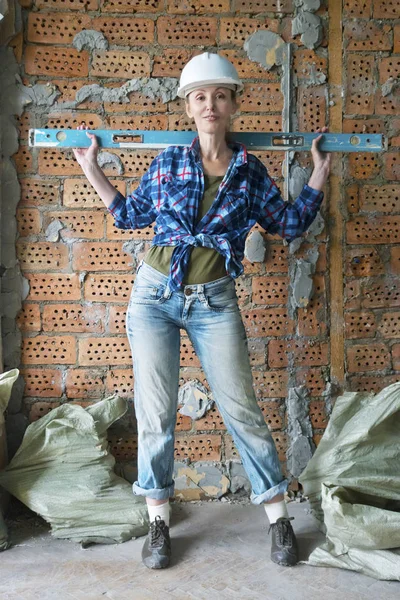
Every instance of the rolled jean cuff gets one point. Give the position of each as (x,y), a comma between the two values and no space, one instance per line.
(156,493)
(271,493)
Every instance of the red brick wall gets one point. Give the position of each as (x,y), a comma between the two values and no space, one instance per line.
(74,345)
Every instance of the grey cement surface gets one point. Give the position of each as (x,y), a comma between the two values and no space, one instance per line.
(221,551)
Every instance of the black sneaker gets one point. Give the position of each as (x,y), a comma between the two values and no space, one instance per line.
(284,544)
(156,551)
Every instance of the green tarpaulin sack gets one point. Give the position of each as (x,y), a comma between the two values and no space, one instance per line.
(353,484)
(64,472)
(6,382)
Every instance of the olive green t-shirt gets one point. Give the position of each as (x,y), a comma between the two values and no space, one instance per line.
(205,264)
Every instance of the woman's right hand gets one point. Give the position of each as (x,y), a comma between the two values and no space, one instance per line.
(87,157)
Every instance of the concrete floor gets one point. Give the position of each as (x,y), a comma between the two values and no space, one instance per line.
(221,551)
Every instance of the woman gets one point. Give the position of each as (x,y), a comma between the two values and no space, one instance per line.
(204,200)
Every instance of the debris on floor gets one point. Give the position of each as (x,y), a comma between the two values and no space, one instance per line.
(195,400)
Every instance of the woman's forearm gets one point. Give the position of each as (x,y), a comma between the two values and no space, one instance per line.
(100,183)
(318,178)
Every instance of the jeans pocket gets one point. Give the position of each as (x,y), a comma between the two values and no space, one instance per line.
(222,299)
(145,293)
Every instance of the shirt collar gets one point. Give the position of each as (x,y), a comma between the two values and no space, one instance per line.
(240,151)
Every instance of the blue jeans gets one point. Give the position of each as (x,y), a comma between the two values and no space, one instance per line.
(210,315)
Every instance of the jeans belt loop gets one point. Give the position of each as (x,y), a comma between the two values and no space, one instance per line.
(200,292)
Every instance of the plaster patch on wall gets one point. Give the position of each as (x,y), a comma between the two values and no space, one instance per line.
(90,39)
(301,446)
(255,247)
(41,94)
(195,400)
(390,86)
(309,26)
(302,283)
(53,231)
(266,48)
(310,5)
(162,87)
(199,482)
(239,480)
(106,159)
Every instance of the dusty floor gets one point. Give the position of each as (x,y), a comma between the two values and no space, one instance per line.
(221,551)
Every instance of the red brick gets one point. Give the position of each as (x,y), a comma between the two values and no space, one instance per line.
(131,6)
(42,383)
(396,357)
(182,31)
(352,197)
(392,165)
(117,319)
(69,88)
(254,6)
(122,30)
(396,33)
(270,384)
(312,353)
(357,8)
(246,68)
(318,416)
(104,351)
(77,223)
(78,193)
(70,120)
(185,7)
(363,261)
(55,28)
(281,444)
(120,382)
(108,288)
(56,286)
(29,317)
(380,292)
(114,233)
(85,383)
(278,353)
(256,352)
(171,62)
(380,230)
(314,380)
(360,324)
(123,446)
(28,220)
(272,414)
(389,326)
(367,36)
(307,63)
(277,259)
(80,5)
(101,256)
(40,256)
(321,264)
(137,102)
(395,260)
(386,9)
(180,123)
(387,105)
(36,192)
(371,357)
(188,374)
(270,290)
(257,123)
(57,162)
(371,383)
(144,122)
(200,447)
(135,162)
(380,198)
(120,63)
(361,84)
(235,30)
(212,420)
(260,97)
(312,320)
(312,108)
(74,318)
(60,62)
(40,409)
(188,356)
(363,126)
(271,322)
(48,350)
(364,165)
(23,161)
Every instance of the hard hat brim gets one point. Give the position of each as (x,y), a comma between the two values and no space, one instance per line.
(190,87)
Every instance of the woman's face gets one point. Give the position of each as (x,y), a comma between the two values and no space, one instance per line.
(211,108)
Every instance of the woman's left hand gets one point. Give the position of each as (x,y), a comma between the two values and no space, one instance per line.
(321,160)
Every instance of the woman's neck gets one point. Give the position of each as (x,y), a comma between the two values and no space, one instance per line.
(215,154)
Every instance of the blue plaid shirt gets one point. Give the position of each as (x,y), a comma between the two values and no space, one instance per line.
(170,193)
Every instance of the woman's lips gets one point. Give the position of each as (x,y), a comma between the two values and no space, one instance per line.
(211,118)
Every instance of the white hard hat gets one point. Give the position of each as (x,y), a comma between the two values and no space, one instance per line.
(208,69)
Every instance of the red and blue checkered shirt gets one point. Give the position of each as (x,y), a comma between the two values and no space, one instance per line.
(170,193)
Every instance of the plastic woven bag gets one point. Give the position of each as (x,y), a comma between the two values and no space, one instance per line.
(353,483)
(64,472)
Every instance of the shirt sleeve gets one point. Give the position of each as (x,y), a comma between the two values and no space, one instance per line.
(137,209)
(289,220)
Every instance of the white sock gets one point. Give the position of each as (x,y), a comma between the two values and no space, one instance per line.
(276,510)
(162,510)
